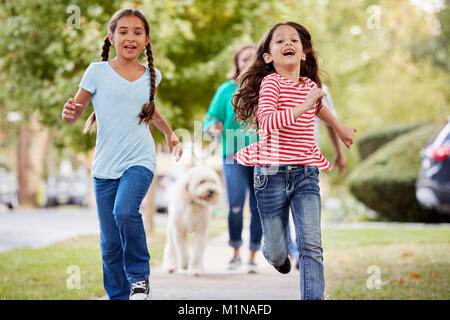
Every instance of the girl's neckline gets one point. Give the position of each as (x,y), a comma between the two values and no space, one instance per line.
(303,83)
(121,77)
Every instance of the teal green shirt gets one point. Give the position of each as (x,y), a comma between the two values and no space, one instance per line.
(233,137)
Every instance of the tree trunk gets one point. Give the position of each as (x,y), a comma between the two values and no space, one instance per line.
(32,145)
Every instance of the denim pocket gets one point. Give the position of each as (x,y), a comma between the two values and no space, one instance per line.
(312,171)
(260,181)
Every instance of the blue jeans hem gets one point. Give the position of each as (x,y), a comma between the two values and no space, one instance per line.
(255,246)
(137,279)
(235,243)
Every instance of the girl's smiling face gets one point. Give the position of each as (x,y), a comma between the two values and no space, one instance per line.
(129,37)
(285,48)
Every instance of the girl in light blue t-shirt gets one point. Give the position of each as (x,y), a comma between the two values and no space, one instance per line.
(123,93)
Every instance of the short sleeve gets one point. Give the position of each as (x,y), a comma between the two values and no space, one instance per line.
(217,108)
(328,101)
(88,82)
(158,76)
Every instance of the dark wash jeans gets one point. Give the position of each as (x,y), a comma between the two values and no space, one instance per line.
(123,243)
(278,188)
(239,179)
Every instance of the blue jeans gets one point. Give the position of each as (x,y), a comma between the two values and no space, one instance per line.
(278,188)
(123,243)
(238,179)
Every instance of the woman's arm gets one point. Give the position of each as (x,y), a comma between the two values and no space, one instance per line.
(215,117)
(74,107)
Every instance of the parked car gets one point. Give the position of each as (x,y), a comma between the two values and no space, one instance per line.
(165,182)
(433,185)
(9,187)
(67,189)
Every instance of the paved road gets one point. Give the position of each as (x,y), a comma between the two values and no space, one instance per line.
(36,228)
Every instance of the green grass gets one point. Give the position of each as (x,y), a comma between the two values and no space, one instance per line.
(412,264)
(43,273)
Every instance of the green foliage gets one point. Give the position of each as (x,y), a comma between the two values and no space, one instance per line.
(375,76)
(385,181)
(369,142)
(436,47)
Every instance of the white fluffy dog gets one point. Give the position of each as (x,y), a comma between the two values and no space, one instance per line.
(192,199)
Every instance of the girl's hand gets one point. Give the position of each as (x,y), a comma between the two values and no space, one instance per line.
(311,99)
(346,134)
(313,96)
(72,111)
(174,146)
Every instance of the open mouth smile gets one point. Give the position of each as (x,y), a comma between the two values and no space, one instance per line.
(130,48)
(289,52)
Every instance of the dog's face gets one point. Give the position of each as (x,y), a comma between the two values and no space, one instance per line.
(203,185)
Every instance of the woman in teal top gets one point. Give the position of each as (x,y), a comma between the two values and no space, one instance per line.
(220,122)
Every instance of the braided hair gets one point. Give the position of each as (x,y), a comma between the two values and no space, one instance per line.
(148,108)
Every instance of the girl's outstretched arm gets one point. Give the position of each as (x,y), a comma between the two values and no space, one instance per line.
(172,140)
(74,107)
(344,132)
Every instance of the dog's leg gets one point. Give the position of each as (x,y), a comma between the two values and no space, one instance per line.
(181,248)
(169,258)
(196,259)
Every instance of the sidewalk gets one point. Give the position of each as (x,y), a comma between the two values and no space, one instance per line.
(218,283)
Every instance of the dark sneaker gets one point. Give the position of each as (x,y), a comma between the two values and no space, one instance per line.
(285,267)
(140,290)
(235,262)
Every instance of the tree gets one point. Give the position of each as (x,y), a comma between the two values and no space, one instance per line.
(39,54)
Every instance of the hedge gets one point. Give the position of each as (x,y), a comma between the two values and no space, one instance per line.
(385,181)
(369,142)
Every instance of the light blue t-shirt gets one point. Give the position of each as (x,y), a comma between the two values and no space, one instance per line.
(121,141)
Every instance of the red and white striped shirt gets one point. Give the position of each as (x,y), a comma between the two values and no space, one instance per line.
(284,140)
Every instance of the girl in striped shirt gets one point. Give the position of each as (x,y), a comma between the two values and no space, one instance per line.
(279,93)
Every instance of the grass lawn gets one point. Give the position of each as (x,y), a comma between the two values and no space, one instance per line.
(410,263)
(43,273)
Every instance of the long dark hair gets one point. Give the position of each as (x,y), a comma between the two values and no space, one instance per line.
(148,108)
(245,100)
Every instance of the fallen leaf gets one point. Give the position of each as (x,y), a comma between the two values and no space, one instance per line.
(343,258)
(435,274)
(413,275)
(406,254)
(401,281)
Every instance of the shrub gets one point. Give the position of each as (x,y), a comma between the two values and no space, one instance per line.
(385,181)
(369,142)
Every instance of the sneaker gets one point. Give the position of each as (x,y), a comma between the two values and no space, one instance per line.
(252,267)
(235,262)
(285,267)
(140,290)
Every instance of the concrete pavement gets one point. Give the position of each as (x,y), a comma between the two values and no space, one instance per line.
(218,283)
